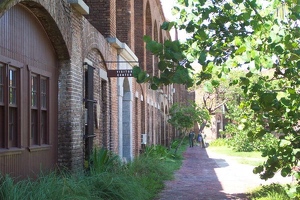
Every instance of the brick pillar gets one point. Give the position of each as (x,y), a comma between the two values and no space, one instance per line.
(103,16)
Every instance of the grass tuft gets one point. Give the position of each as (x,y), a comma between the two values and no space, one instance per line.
(269,192)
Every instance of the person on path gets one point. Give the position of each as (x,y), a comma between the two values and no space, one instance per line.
(200,140)
(203,141)
(191,138)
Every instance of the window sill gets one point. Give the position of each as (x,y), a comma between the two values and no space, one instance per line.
(39,148)
(11,151)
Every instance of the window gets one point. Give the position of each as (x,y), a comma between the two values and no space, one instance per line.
(9,108)
(39,110)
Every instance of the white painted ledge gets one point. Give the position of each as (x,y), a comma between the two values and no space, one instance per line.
(80,6)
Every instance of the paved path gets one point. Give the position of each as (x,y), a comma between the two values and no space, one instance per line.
(205,175)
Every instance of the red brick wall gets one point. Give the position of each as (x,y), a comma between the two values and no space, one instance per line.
(103,16)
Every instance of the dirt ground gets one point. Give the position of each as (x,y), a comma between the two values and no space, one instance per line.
(205,175)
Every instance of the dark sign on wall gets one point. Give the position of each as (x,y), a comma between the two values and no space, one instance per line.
(119,73)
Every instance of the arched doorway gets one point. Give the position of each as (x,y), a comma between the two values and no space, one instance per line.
(127,121)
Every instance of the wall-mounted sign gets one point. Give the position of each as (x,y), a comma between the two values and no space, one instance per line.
(119,73)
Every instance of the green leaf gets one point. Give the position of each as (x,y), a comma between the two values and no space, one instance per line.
(286,102)
(208,87)
(202,34)
(141,77)
(291,91)
(202,58)
(135,71)
(237,1)
(147,38)
(246,16)
(249,74)
(190,27)
(215,83)
(154,86)
(162,65)
(240,50)
(279,49)
(237,41)
(167,26)
(227,6)
(154,47)
(284,143)
(258,169)
(244,81)
(285,171)
(255,106)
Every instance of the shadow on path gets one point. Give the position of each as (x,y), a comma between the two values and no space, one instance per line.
(197,179)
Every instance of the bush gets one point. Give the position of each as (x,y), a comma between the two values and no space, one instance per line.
(219,142)
(108,178)
(269,192)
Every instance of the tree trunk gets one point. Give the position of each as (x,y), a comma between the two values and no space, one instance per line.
(184,134)
(202,126)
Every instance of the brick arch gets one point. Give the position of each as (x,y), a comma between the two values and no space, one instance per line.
(149,32)
(99,60)
(155,57)
(167,127)
(161,40)
(101,95)
(127,135)
(139,31)
(51,28)
(125,22)
(162,125)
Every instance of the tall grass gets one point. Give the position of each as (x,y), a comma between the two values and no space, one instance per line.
(107,178)
(269,192)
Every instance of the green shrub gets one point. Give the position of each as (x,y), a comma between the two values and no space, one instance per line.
(103,160)
(269,192)
(219,142)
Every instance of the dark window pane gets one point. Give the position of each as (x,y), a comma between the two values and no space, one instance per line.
(44,93)
(12,132)
(44,133)
(12,87)
(34,127)
(1,82)
(2,117)
(33,91)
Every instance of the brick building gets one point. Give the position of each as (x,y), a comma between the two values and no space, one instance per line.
(57,98)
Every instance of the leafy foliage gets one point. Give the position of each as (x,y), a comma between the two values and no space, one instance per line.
(260,37)
(184,117)
(171,63)
(104,160)
(219,142)
(269,192)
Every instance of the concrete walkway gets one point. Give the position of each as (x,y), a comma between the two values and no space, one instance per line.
(206,175)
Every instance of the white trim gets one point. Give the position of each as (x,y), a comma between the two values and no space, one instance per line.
(103,74)
(90,63)
(80,6)
(124,51)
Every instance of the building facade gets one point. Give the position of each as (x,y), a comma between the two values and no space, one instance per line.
(58,99)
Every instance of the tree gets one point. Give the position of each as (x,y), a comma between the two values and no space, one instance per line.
(257,36)
(184,117)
